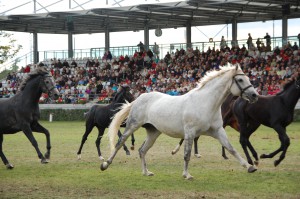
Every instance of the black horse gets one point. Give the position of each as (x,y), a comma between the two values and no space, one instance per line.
(276,112)
(101,116)
(21,112)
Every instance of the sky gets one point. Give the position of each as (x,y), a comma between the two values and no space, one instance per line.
(48,42)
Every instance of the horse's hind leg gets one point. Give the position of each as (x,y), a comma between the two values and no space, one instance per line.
(152,135)
(220,135)
(132,142)
(98,141)
(37,127)
(124,146)
(285,143)
(34,143)
(174,151)
(128,131)
(4,160)
(88,129)
(196,147)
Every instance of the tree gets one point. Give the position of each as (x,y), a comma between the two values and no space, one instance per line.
(8,47)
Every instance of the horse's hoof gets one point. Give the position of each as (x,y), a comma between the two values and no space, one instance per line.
(276,163)
(101,158)
(263,156)
(256,162)
(47,155)
(104,166)
(132,147)
(252,169)
(79,157)
(188,177)
(173,152)
(44,161)
(9,166)
(225,157)
(198,156)
(127,152)
(148,173)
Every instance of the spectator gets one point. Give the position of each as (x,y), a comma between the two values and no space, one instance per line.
(295,46)
(141,46)
(74,63)
(27,69)
(249,41)
(223,43)
(66,63)
(109,55)
(268,40)
(156,49)
(258,42)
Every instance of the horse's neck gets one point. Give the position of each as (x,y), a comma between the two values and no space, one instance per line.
(291,97)
(216,90)
(31,92)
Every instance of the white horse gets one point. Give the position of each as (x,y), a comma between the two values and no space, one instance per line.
(195,113)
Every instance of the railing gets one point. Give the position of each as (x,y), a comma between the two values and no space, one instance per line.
(129,50)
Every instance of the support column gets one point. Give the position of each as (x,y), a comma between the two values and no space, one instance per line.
(284,30)
(35,48)
(107,45)
(146,36)
(234,41)
(70,45)
(189,35)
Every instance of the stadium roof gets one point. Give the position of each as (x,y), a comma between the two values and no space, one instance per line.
(160,15)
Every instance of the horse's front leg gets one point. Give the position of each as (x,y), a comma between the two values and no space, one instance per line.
(188,142)
(28,132)
(220,135)
(4,160)
(37,127)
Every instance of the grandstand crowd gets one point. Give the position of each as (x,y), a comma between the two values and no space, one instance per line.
(176,73)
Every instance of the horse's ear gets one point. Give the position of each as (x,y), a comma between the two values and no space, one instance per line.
(236,67)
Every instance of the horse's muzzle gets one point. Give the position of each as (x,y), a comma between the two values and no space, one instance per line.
(253,97)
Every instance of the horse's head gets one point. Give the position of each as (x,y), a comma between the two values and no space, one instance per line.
(48,85)
(241,86)
(124,94)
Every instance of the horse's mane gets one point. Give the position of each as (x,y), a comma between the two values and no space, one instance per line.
(286,86)
(213,74)
(37,71)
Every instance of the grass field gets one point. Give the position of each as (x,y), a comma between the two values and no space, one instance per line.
(214,177)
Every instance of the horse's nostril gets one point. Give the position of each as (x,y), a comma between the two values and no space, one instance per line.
(254,95)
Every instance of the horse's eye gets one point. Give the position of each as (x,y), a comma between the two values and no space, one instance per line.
(47,82)
(240,80)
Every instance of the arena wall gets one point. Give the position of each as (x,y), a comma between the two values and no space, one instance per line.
(75,112)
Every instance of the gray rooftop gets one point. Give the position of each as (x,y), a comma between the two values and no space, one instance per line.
(160,15)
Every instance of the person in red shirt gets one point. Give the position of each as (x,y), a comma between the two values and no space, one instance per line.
(27,69)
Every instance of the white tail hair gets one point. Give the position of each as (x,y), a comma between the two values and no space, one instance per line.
(116,123)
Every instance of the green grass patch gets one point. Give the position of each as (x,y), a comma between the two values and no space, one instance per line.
(214,177)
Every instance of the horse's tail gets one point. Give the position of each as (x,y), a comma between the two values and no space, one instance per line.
(116,123)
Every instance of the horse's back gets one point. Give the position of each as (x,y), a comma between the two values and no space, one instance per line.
(268,110)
